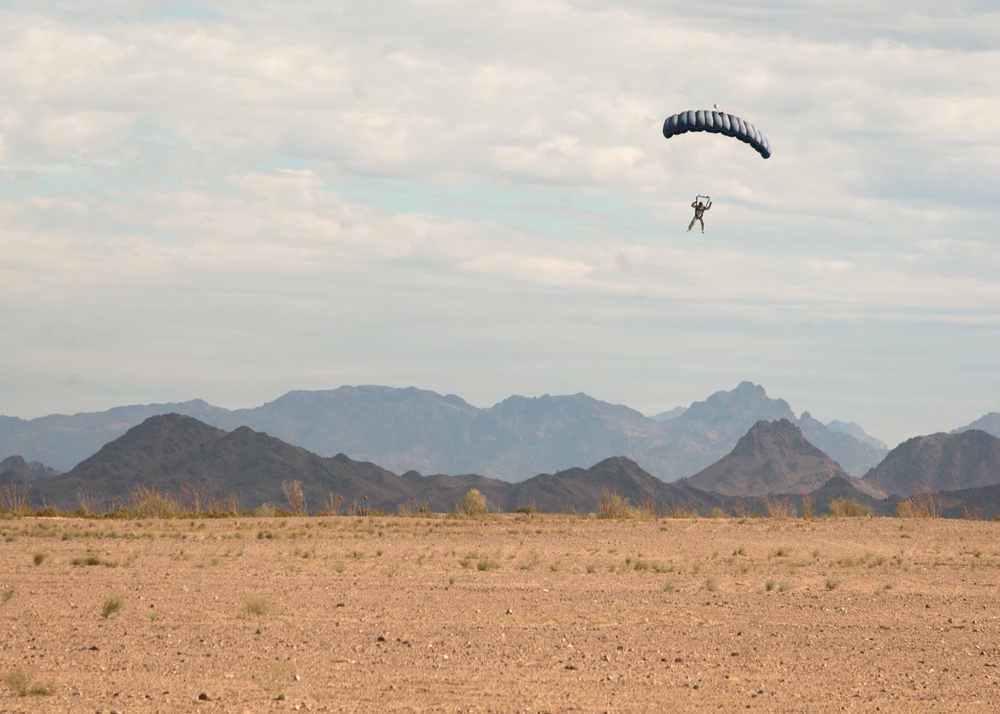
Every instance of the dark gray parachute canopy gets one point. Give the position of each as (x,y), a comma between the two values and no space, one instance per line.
(717,123)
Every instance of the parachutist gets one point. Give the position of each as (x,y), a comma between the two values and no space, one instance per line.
(699,212)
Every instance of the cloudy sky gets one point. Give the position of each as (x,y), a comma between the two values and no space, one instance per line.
(232,199)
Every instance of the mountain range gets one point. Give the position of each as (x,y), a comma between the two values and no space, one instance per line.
(518,438)
(180,455)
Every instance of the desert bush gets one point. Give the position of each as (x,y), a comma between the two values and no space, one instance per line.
(807,507)
(295,496)
(973,513)
(412,508)
(14,498)
(615,507)
(149,502)
(38,558)
(89,504)
(23,683)
(528,509)
(849,508)
(200,501)
(920,505)
(332,504)
(474,504)
(778,508)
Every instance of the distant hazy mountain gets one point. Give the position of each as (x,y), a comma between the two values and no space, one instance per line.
(990,423)
(969,459)
(413,429)
(669,414)
(773,457)
(855,430)
(855,451)
(20,468)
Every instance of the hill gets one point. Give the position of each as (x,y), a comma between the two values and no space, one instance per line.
(17,467)
(939,462)
(771,458)
(180,456)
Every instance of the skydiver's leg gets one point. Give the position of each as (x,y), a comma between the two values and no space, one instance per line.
(702,224)
(691,224)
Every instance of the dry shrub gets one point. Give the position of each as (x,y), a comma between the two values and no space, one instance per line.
(615,507)
(89,503)
(150,502)
(412,508)
(973,513)
(807,507)
(295,496)
(849,508)
(14,498)
(920,505)
(778,508)
(199,501)
(332,504)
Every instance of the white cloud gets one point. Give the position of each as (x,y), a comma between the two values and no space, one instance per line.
(287,194)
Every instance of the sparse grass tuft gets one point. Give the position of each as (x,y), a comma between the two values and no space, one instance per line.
(832,583)
(24,684)
(256,604)
(487,564)
(38,558)
(112,605)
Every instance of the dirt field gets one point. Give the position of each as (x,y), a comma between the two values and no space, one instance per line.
(508,614)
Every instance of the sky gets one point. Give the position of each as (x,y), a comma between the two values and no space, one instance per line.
(230,200)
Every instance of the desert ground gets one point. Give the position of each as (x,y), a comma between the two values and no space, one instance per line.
(498,614)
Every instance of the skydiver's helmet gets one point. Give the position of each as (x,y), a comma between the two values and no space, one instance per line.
(700,204)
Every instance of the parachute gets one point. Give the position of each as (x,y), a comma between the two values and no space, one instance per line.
(717,122)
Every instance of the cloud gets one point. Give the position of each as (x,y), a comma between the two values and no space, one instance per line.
(295,196)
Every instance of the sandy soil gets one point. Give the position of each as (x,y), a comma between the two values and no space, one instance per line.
(532,614)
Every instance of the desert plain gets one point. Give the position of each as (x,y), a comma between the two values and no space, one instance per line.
(508,613)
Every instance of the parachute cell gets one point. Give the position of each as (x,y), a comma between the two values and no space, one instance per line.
(717,122)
